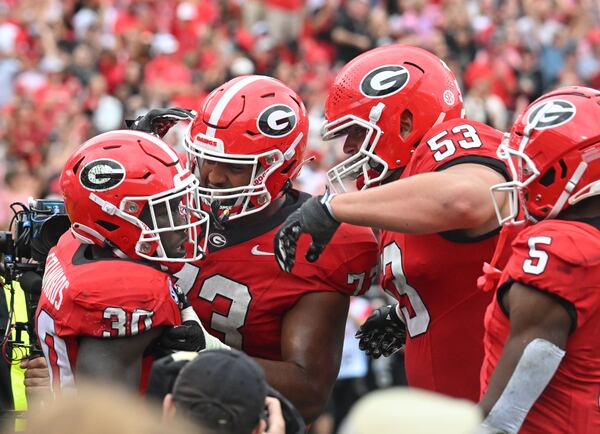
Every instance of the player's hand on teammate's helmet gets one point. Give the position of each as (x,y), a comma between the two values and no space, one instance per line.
(383,333)
(313,217)
(159,121)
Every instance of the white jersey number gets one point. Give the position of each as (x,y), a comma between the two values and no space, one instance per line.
(120,325)
(418,323)
(55,352)
(538,259)
(444,148)
(240,297)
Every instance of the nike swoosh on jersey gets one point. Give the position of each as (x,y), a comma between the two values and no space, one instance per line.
(257,252)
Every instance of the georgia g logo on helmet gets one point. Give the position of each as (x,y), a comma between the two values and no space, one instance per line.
(102,174)
(551,114)
(276,121)
(384,81)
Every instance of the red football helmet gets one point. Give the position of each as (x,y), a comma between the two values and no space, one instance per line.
(372,92)
(117,176)
(553,153)
(250,120)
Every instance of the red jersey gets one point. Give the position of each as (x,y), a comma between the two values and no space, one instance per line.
(99,298)
(242,296)
(561,258)
(434,277)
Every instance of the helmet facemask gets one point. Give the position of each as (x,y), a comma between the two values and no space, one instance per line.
(522,171)
(171,211)
(231,203)
(364,163)
(552,155)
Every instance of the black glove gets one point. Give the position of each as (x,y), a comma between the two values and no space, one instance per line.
(382,334)
(159,121)
(188,336)
(314,218)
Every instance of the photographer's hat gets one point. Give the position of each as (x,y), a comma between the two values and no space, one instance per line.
(224,390)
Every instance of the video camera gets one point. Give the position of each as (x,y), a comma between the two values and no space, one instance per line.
(34,229)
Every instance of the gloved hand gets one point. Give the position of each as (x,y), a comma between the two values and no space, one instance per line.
(382,334)
(191,334)
(188,336)
(159,121)
(314,217)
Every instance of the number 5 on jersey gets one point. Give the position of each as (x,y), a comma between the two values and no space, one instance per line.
(417,323)
(538,259)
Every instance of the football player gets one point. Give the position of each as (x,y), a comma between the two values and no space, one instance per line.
(246,146)
(426,172)
(106,295)
(542,361)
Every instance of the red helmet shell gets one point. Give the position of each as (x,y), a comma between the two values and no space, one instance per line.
(254,119)
(403,78)
(560,133)
(112,175)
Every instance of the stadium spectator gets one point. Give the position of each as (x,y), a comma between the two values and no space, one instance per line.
(58,43)
(412,411)
(99,408)
(350,32)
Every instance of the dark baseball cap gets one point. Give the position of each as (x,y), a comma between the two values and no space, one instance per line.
(224,390)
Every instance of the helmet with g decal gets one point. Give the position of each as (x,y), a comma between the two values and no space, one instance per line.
(372,93)
(553,154)
(124,189)
(253,121)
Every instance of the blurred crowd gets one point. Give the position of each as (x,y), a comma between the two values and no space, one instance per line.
(70,69)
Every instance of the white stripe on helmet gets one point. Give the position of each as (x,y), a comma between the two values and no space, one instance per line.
(226,99)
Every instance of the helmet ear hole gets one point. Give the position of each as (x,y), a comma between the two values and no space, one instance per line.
(563,167)
(548,178)
(406,123)
(107,225)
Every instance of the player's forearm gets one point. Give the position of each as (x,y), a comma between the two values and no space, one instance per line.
(502,373)
(427,203)
(534,370)
(307,392)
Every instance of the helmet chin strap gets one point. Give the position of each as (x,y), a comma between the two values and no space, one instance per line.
(219,221)
(375,113)
(82,228)
(299,167)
